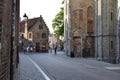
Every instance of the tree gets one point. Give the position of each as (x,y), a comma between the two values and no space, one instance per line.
(58,23)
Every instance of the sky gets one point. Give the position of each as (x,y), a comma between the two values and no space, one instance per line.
(47,8)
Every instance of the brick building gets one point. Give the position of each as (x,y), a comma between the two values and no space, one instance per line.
(36,31)
(9,23)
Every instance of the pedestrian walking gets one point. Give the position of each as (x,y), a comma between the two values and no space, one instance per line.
(55,49)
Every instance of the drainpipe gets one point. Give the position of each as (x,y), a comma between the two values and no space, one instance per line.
(12,39)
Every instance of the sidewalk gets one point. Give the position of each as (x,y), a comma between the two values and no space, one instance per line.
(92,62)
(27,70)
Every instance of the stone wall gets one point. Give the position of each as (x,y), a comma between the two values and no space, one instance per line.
(8,56)
(5,47)
(82,26)
(105,35)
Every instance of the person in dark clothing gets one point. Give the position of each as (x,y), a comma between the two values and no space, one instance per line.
(55,49)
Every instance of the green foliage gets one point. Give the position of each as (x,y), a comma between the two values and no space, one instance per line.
(58,23)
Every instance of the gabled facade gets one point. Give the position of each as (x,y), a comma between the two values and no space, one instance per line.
(36,31)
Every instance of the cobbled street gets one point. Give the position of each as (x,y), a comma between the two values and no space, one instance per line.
(48,66)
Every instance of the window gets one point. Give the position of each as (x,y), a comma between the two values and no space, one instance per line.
(40,26)
(111,16)
(81,15)
(30,35)
(43,35)
(38,35)
(90,24)
(111,44)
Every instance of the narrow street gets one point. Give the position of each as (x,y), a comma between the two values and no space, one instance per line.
(48,66)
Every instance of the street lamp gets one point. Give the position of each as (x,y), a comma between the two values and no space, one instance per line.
(25,15)
(26,27)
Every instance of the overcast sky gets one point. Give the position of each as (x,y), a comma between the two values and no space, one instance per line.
(47,8)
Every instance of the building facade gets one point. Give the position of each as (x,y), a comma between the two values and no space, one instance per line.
(107,30)
(79,27)
(92,29)
(117,29)
(9,26)
(36,31)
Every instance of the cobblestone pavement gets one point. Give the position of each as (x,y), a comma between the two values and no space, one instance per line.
(62,67)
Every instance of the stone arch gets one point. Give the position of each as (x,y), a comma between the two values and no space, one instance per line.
(90,17)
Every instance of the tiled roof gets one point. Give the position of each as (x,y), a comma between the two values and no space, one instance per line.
(30,23)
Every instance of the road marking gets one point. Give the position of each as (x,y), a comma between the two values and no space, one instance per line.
(40,70)
(113,68)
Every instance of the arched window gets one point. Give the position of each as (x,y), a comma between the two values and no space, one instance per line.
(81,15)
(90,24)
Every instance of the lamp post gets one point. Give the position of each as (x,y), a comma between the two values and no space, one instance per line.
(26,28)
(25,16)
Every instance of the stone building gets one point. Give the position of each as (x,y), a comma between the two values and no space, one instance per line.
(105,36)
(79,27)
(117,29)
(36,31)
(9,23)
(107,30)
(92,29)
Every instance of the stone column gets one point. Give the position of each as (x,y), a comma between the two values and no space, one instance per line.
(65,26)
(99,29)
(96,27)
(105,30)
(69,27)
(116,24)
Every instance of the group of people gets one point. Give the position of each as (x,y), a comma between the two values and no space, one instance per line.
(54,48)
